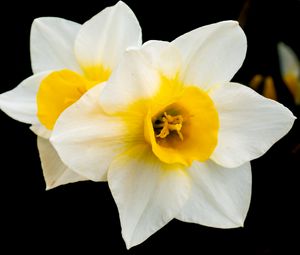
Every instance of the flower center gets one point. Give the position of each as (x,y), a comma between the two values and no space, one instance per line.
(181,124)
(166,124)
(59,90)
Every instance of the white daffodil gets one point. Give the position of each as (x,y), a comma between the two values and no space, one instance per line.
(67,60)
(173,135)
(290,70)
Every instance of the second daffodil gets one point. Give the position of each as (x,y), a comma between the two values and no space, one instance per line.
(67,60)
(172,134)
(290,70)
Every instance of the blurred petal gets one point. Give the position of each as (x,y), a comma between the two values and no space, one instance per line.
(290,70)
(103,39)
(293,84)
(20,102)
(134,79)
(256,81)
(85,138)
(289,63)
(52,44)
(148,194)
(269,90)
(212,54)
(249,124)
(220,197)
(55,172)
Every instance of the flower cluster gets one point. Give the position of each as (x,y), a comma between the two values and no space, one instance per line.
(159,121)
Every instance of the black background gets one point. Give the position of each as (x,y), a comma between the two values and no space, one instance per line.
(83,216)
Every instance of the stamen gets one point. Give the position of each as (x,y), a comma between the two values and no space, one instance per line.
(169,123)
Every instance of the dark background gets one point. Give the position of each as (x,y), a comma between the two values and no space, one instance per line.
(83,216)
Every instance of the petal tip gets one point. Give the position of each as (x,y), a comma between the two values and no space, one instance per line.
(129,243)
(121,5)
(127,240)
(241,223)
(48,187)
(37,22)
(234,23)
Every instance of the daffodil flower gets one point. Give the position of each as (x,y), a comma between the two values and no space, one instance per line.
(290,70)
(172,134)
(67,60)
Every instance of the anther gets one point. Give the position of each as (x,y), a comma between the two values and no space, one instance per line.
(169,123)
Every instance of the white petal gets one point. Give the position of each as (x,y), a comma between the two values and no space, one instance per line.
(41,131)
(134,78)
(52,44)
(289,63)
(163,56)
(20,102)
(104,38)
(55,172)
(249,124)
(212,54)
(85,138)
(220,197)
(147,195)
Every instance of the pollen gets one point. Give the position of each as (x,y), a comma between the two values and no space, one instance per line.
(168,123)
